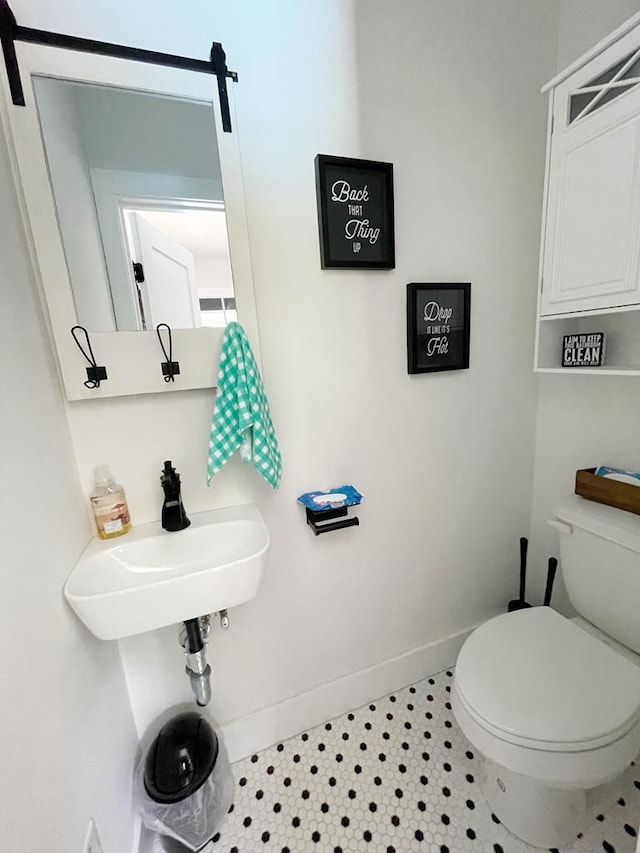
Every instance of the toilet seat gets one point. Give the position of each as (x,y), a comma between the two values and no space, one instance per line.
(534,679)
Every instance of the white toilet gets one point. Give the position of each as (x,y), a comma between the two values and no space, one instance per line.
(553,704)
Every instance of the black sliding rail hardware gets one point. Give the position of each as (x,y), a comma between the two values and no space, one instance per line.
(319,520)
(11,32)
(170,368)
(95,373)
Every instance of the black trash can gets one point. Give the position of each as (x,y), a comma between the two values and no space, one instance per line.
(184,784)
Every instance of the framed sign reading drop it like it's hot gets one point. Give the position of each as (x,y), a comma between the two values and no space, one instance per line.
(438,320)
(355,213)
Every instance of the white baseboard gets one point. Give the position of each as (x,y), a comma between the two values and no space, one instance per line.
(278,722)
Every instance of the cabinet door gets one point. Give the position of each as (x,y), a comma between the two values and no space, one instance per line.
(592,238)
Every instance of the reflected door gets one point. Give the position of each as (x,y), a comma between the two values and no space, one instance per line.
(169,292)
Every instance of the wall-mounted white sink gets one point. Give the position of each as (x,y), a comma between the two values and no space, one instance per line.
(150,578)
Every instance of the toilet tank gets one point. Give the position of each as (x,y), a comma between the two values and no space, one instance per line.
(600,564)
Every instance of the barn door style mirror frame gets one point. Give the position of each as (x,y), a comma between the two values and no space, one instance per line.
(57,89)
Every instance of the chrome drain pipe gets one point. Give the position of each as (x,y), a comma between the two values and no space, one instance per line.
(193,639)
(199,673)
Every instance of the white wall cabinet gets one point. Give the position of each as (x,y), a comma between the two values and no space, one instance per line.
(590,256)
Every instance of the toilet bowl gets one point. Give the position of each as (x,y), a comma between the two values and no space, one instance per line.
(553,704)
(555,713)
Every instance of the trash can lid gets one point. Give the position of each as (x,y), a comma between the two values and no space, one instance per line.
(180,758)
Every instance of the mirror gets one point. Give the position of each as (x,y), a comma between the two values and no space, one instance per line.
(137,188)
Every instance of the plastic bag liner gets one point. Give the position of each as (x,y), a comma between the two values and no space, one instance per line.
(194,820)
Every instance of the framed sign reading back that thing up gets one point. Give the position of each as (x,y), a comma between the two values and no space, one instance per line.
(438,320)
(355,213)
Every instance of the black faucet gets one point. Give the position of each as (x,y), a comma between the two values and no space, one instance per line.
(173,515)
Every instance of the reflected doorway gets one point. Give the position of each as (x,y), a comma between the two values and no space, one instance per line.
(180,263)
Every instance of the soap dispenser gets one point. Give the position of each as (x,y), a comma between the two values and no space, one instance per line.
(173,515)
(109,505)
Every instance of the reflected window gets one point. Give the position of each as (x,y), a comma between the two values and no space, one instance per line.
(218,313)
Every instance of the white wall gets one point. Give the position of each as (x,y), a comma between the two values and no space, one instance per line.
(135,132)
(67,739)
(582,23)
(449,93)
(465,126)
(582,421)
(213,273)
(76,210)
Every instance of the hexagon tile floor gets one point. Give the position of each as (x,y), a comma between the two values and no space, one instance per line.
(391,777)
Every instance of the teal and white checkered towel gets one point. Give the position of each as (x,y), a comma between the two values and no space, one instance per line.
(241,418)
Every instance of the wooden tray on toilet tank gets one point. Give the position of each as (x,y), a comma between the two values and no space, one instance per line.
(605,491)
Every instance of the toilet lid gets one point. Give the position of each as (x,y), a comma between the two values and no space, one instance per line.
(534,678)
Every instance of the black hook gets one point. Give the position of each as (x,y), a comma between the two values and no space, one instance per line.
(95,374)
(170,368)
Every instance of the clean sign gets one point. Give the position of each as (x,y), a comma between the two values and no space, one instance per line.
(584,350)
